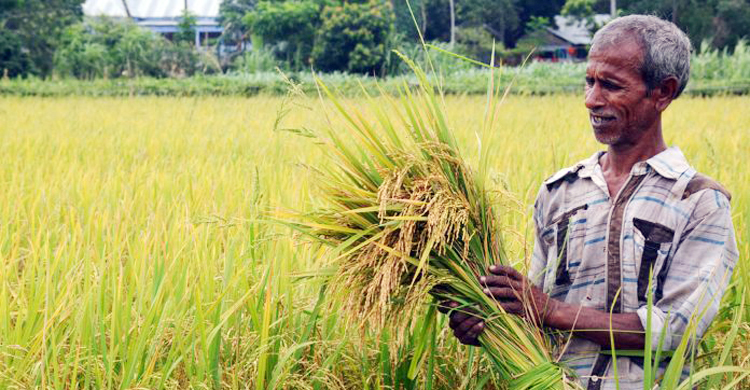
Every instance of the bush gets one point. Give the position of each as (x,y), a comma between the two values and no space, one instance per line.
(104,47)
(354,38)
(255,61)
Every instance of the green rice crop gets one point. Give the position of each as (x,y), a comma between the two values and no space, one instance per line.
(132,256)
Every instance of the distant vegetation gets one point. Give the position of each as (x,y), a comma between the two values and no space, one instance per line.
(52,40)
(713,72)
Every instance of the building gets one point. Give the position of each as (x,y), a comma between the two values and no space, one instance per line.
(568,41)
(163,16)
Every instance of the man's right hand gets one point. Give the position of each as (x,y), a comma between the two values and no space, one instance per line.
(466,327)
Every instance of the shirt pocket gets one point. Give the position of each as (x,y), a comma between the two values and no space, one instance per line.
(652,245)
(566,236)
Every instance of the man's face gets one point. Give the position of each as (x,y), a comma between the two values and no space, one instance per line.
(620,108)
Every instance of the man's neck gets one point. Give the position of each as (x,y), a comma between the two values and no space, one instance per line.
(619,160)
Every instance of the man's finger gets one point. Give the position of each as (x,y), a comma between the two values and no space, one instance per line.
(514,307)
(469,340)
(457,317)
(469,336)
(472,336)
(467,325)
(446,306)
(500,281)
(506,270)
(502,293)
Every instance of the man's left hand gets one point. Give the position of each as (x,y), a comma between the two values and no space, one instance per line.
(516,295)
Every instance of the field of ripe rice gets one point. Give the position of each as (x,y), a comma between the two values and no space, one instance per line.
(133,251)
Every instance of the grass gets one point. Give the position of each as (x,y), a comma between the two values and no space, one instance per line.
(132,256)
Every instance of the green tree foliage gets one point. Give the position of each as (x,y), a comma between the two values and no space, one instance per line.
(529,9)
(354,37)
(402,20)
(290,26)
(499,17)
(108,48)
(721,22)
(579,8)
(231,13)
(13,60)
(732,23)
(186,26)
(38,25)
(104,47)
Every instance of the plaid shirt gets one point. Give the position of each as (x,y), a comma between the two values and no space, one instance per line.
(589,246)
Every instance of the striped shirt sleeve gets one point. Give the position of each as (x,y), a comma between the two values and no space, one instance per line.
(698,274)
(539,255)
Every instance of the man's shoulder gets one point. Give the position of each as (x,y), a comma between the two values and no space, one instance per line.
(701,182)
(569,174)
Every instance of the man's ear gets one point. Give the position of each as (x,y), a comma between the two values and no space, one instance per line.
(664,93)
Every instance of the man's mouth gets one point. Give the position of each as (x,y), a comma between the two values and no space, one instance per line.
(600,120)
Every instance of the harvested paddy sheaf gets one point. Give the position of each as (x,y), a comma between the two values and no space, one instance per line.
(132,256)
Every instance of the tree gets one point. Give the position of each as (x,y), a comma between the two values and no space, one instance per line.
(186,27)
(529,9)
(721,22)
(354,37)
(499,17)
(38,26)
(13,60)
(732,22)
(231,13)
(289,25)
(104,47)
(453,21)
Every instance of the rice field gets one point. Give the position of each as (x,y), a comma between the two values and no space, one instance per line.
(135,251)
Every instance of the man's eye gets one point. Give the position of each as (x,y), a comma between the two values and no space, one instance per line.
(611,86)
(589,81)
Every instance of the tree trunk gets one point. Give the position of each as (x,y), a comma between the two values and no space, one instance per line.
(127,10)
(424,16)
(453,22)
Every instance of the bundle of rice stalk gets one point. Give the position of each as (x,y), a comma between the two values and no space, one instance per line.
(407,219)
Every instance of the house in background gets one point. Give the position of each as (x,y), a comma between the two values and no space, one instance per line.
(163,16)
(568,41)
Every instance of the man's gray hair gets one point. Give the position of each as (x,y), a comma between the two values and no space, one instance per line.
(666,49)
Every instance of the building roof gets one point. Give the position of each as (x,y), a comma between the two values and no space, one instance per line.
(574,30)
(151,9)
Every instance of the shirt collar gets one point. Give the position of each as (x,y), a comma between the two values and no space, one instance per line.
(587,167)
(670,164)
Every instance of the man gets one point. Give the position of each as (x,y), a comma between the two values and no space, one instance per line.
(604,225)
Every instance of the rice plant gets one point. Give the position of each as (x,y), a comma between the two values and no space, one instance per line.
(131,255)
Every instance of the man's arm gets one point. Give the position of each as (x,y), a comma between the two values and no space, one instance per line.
(516,295)
(698,274)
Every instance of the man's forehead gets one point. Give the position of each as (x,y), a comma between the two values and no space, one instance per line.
(617,56)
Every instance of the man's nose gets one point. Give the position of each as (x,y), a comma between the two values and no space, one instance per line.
(594,97)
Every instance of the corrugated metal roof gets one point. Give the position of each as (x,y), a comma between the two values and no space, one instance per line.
(574,30)
(151,8)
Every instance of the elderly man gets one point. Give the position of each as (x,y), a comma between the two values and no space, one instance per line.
(608,223)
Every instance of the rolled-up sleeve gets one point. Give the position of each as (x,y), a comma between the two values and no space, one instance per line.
(539,255)
(697,275)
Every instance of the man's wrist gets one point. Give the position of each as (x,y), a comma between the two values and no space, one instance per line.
(551,314)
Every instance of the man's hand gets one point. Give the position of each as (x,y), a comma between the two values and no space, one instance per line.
(516,295)
(466,327)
